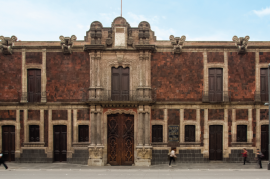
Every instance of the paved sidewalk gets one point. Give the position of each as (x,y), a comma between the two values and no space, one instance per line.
(178,166)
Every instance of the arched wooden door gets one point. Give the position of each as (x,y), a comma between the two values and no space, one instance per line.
(120,139)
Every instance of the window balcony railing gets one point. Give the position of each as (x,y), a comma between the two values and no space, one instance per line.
(260,96)
(32,97)
(131,95)
(216,96)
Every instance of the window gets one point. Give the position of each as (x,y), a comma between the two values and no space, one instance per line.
(157,133)
(34,85)
(216,84)
(120,84)
(264,84)
(83,133)
(241,133)
(189,133)
(33,133)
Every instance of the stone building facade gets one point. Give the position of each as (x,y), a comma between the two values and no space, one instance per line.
(121,97)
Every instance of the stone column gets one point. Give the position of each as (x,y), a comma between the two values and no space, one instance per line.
(140,129)
(98,69)
(26,127)
(146,129)
(43,77)
(99,128)
(141,64)
(75,126)
(41,126)
(24,79)
(93,128)
(225,134)
(166,125)
(258,133)
(50,137)
(249,127)
(17,135)
(182,127)
(233,129)
(206,135)
(69,152)
(198,126)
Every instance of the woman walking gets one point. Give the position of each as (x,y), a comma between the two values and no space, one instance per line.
(172,157)
(245,154)
(2,160)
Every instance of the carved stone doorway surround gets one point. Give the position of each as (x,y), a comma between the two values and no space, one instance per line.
(105,130)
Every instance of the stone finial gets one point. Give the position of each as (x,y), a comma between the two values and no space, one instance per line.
(177,43)
(66,43)
(109,40)
(144,33)
(7,43)
(241,43)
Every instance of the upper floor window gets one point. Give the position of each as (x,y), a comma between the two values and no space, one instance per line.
(264,84)
(189,133)
(157,133)
(34,85)
(241,133)
(120,84)
(216,84)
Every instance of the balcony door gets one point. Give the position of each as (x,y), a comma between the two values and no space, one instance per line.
(216,84)
(120,84)
(34,85)
(264,84)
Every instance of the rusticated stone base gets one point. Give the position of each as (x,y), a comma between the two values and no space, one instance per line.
(79,157)
(33,156)
(236,156)
(95,156)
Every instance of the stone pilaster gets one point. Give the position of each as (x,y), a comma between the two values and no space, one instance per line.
(249,127)
(43,77)
(75,126)
(182,126)
(98,118)
(69,137)
(50,137)
(233,129)
(140,129)
(17,135)
(147,129)
(41,125)
(93,126)
(24,79)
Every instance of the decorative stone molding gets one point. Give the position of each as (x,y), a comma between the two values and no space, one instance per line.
(130,39)
(96,33)
(95,152)
(33,144)
(241,43)
(144,33)
(109,40)
(144,153)
(7,43)
(66,43)
(177,43)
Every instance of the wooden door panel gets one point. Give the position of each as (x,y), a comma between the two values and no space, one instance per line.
(120,84)
(34,85)
(157,133)
(215,142)
(264,141)
(8,143)
(120,139)
(215,84)
(264,84)
(60,143)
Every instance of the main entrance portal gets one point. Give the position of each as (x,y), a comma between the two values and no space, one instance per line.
(120,139)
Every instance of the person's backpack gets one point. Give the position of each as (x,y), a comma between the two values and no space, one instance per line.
(262,155)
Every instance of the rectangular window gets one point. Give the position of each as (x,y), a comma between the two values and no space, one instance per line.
(241,133)
(264,84)
(189,133)
(33,133)
(157,133)
(83,133)
(215,84)
(34,85)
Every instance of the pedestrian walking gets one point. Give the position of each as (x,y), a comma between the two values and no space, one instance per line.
(172,157)
(245,154)
(2,160)
(259,157)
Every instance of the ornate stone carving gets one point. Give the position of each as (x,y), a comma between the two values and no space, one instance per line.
(130,39)
(96,33)
(241,43)
(109,40)
(95,152)
(177,43)
(144,153)
(144,32)
(66,43)
(7,43)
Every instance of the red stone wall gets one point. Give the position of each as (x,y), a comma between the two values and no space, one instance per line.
(177,77)
(22,128)
(173,117)
(33,57)
(215,114)
(67,76)
(190,114)
(215,57)
(157,114)
(10,77)
(264,114)
(59,115)
(46,129)
(202,125)
(34,115)
(241,114)
(7,115)
(264,57)
(229,127)
(241,76)
(83,114)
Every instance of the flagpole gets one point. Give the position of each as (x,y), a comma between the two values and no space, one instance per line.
(121,8)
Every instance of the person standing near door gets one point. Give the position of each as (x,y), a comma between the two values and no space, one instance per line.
(245,153)
(259,157)
(172,157)
(2,160)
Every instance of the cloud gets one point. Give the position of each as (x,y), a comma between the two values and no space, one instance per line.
(262,12)
(163,34)
(220,36)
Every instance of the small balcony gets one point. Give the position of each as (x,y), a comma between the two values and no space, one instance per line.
(33,97)
(131,95)
(216,96)
(261,96)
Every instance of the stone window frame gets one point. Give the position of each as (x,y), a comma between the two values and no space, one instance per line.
(76,124)
(185,132)
(259,123)
(158,122)
(42,67)
(246,131)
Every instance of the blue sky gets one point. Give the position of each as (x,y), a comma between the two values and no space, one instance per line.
(199,20)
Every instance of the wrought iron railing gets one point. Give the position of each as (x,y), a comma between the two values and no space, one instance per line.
(216,96)
(131,95)
(260,96)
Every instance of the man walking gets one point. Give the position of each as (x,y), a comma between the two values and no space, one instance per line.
(259,157)
(2,160)
(172,157)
